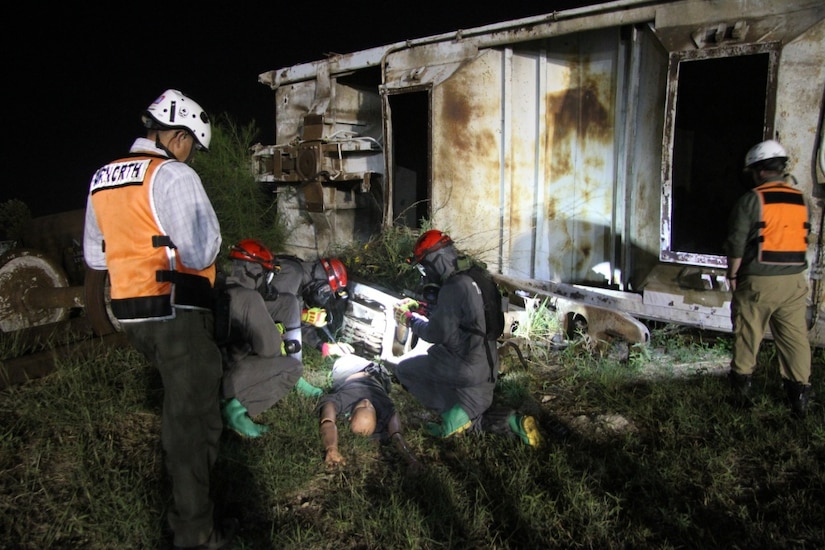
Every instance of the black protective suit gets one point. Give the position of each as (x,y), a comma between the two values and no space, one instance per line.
(256,373)
(299,284)
(455,369)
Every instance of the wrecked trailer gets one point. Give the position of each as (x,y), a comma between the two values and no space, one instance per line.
(591,155)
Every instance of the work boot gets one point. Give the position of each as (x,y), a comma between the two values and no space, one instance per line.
(306,389)
(798,397)
(526,428)
(236,418)
(453,422)
(741,385)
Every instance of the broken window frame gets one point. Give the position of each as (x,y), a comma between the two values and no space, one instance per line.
(772,49)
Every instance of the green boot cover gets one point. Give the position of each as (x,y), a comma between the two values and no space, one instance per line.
(453,422)
(526,428)
(305,388)
(236,418)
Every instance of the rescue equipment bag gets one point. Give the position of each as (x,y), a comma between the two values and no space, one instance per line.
(493,314)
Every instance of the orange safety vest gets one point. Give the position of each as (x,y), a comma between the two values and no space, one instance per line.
(783,225)
(146,275)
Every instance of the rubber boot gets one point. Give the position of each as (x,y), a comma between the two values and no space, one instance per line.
(798,397)
(236,418)
(526,428)
(453,422)
(306,389)
(741,387)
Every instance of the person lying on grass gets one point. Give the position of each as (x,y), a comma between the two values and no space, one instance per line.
(360,394)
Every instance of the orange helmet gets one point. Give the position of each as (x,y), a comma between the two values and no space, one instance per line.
(336,274)
(429,241)
(253,250)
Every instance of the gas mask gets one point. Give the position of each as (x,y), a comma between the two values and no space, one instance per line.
(319,295)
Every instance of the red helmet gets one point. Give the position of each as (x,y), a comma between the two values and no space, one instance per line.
(336,274)
(429,241)
(253,250)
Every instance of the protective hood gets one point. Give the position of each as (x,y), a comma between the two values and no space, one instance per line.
(247,274)
(439,265)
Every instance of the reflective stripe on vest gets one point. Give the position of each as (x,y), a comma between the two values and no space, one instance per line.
(145,273)
(783,226)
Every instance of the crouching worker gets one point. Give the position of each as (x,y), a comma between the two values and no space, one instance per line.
(301,297)
(258,371)
(360,394)
(457,376)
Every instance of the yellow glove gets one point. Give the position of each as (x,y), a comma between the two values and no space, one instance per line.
(403,310)
(315,316)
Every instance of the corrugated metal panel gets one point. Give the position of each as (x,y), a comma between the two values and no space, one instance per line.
(555,178)
(466,145)
(576,227)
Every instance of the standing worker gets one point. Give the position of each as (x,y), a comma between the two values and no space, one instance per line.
(766,246)
(457,376)
(150,223)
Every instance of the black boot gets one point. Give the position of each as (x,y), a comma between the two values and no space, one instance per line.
(741,385)
(798,396)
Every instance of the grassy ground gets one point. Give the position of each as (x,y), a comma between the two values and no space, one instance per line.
(642,450)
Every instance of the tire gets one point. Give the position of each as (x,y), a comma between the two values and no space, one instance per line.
(24,271)
(98,303)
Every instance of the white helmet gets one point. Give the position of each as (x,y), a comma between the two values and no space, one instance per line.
(766,150)
(174,110)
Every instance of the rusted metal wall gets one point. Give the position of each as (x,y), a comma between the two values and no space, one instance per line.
(550,142)
(532,158)
(799,106)
(640,165)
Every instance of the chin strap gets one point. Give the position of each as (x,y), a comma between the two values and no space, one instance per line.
(163,148)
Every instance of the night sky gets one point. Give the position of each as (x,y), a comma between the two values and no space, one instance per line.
(79,77)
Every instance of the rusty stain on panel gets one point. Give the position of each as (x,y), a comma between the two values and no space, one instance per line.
(466,161)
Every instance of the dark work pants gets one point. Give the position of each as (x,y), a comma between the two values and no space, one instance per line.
(184,352)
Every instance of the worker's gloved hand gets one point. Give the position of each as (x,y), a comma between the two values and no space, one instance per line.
(315,316)
(403,311)
(340,348)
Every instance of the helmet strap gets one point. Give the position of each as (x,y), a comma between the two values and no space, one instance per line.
(163,147)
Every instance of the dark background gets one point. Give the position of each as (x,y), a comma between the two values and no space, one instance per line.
(78,77)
